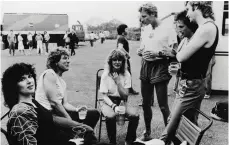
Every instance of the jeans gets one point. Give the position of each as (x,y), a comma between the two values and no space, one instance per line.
(147,90)
(72,47)
(131,114)
(102,40)
(46,46)
(88,123)
(91,42)
(190,94)
(12,47)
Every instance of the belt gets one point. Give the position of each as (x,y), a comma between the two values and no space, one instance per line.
(189,76)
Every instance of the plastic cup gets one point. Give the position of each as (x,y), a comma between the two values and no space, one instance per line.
(174,66)
(79,132)
(82,112)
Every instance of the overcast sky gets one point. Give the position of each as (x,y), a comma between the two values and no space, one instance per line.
(127,11)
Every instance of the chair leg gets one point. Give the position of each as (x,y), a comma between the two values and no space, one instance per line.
(100,127)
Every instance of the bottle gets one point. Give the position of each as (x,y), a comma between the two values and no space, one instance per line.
(121,116)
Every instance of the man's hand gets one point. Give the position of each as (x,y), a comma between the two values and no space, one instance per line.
(168,52)
(148,54)
(139,52)
(116,77)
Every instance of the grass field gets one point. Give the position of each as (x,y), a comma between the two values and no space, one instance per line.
(81,78)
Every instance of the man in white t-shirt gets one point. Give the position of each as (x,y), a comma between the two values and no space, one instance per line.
(102,37)
(156,37)
(92,38)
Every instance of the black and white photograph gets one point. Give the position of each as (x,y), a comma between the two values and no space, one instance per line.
(114,72)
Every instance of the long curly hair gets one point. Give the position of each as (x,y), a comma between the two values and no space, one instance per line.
(54,57)
(204,6)
(116,54)
(10,79)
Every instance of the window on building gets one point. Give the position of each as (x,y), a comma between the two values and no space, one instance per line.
(225,19)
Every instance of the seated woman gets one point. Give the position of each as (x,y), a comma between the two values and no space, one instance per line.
(51,93)
(29,123)
(115,84)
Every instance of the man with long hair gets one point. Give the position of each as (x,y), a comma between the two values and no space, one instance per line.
(194,58)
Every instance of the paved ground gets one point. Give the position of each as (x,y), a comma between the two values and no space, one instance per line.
(81,88)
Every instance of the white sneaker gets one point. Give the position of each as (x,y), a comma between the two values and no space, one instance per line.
(215,116)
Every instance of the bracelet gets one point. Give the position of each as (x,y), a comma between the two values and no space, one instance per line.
(114,106)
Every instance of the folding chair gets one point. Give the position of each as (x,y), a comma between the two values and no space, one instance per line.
(97,100)
(190,132)
(5,132)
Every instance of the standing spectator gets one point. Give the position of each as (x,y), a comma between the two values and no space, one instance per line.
(30,42)
(34,40)
(102,36)
(92,38)
(72,37)
(154,66)
(11,38)
(20,43)
(194,58)
(123,44)
(67,40)
(46,38)
(39,40)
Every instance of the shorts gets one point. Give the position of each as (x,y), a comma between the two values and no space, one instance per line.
(155,71)
(67,43)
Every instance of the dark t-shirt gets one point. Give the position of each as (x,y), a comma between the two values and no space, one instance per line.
(125,43)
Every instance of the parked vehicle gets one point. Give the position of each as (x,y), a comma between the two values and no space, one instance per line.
(220,69)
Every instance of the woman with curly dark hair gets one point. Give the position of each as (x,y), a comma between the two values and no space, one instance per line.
(115,84)
(29,122)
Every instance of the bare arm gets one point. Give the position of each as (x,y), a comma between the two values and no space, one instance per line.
(123,92)
(107,100)
(51,92)
(201,38)
(67,106)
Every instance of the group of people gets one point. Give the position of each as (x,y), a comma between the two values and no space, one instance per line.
(34,107)
(71,40)
(38,39)
(93,37)
(195,26)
